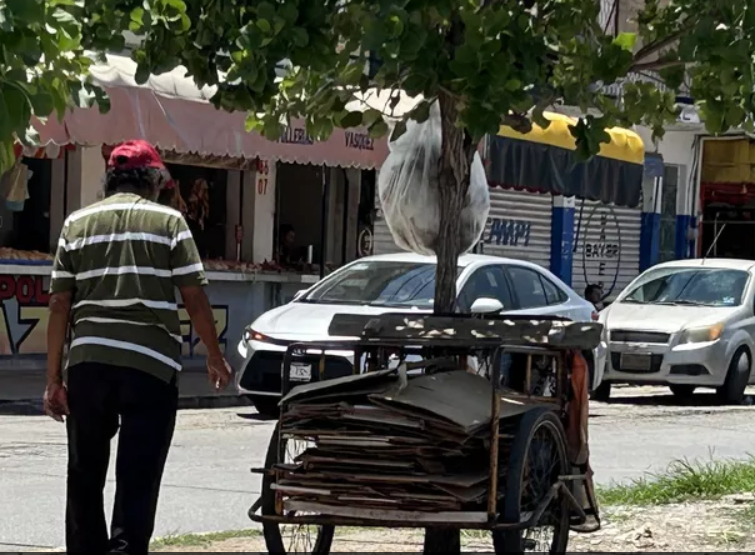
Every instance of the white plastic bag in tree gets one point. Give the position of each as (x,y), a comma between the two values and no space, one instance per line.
(409,190)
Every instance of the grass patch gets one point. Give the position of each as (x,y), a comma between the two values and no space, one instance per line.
(684,481)
(199,540)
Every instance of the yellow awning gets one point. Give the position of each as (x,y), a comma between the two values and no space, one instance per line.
(625,145)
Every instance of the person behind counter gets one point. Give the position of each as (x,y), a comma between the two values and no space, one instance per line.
(287,251)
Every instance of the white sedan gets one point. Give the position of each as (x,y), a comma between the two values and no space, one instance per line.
(379,284)
(685,324)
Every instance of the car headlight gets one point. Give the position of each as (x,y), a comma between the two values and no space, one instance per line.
(702,334)
(251,335)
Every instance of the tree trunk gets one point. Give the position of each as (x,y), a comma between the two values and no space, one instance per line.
(457,152)
(455,162)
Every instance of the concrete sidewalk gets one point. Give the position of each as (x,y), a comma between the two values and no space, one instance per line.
(21,391)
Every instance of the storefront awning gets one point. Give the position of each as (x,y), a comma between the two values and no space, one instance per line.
(174,114)
(544,160)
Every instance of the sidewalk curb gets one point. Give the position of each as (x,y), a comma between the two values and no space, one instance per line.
(34,407)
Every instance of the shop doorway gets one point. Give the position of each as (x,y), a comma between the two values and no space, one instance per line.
(728,229)
(366,215)
(727,198)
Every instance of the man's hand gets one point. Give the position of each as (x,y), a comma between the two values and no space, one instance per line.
(219,372)
(56,401)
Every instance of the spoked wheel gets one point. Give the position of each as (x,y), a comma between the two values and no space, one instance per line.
(538,458)
(288,538)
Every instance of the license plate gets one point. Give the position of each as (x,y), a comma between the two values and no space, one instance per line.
(635,362)
(300,372)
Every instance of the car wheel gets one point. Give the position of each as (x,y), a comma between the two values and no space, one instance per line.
(683,391)
(266,406)
(602,393)
(737,377)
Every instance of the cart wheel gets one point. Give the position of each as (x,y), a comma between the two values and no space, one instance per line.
(538,458)
(282,539)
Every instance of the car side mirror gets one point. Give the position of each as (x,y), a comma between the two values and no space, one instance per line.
(486,305)
(299,294)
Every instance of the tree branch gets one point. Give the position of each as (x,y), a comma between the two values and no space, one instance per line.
(657,65)
(656,46)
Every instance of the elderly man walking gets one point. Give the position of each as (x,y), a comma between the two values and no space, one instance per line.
(117,266)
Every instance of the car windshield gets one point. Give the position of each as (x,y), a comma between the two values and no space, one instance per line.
(689,287)
(378,283)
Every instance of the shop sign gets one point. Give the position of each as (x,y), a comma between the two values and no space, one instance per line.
(296,136)
(359,141)
(24,315)
(509,232)
(600,243)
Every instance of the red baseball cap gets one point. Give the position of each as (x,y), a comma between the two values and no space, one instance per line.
(135,154)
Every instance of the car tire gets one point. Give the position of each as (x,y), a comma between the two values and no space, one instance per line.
(266,406)
(602,393)
(732,392)
(683,392)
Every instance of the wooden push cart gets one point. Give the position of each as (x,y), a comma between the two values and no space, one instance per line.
(528,436)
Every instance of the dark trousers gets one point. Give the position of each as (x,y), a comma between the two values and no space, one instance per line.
(101,399)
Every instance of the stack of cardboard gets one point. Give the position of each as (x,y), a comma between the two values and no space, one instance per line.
(385,441)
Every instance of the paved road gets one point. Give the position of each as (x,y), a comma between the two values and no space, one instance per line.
(208,485)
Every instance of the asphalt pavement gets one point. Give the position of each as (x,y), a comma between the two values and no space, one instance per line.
(208,485)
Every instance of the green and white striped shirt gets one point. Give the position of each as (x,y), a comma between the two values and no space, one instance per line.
(123,258)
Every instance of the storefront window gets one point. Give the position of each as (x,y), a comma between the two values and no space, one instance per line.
(25,210)
(200,194)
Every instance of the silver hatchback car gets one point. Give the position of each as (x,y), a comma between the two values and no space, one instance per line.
(685,324)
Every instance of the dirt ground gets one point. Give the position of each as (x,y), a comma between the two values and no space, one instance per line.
(714,527)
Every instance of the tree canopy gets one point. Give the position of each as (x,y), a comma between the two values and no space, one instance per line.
(500,60)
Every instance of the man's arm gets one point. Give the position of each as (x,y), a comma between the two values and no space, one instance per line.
(57,329)
(62,288)
(189,277)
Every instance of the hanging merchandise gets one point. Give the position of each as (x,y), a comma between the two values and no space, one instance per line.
(15,184)
(409,190)
(606,247)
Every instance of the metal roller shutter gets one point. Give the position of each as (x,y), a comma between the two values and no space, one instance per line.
(382,240)
(519,226)
(606,246)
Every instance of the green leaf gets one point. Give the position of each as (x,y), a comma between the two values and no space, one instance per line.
(17,104)
(398,130)
(6,125)
(42,103)
(378,129)
(299,37)
(7,156)
(264,26)
(253,123)
(266,10)
(26,11)
(142,74)
(626,41)
(352,119)
(421,112)
(370,116)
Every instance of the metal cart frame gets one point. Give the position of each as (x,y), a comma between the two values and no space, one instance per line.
(511,335)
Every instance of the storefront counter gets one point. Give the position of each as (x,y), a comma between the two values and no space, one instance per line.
(237,299)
